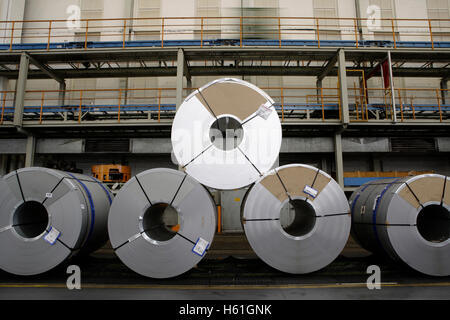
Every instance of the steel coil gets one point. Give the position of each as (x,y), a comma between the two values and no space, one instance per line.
(318,226)
(407,219)
(161,223)
(226,134)
(46,216)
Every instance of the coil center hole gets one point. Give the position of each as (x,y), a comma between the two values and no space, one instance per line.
(226,133)
(297,217)
(160,222)
(30,219)
(433,223)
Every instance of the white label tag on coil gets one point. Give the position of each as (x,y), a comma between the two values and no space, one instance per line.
(52,236)
(310,191)
(264,112)
(49,195)
(200,247)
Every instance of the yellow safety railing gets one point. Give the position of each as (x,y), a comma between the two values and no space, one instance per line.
(163,29)
(323,104)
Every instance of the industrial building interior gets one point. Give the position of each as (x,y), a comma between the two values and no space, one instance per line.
(360,89)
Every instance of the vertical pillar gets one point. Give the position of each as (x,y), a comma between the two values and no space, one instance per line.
(391,82)
(343,92)
(20,89)
(444,88)
(4,166)
(318,87)
(376,164)
(30,150)
(62,93)
(180,74)
(323,164)
(339,161)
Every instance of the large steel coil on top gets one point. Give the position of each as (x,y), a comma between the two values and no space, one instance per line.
(407,219)
(316,232)
(226,134)
(47,215)
(161,223)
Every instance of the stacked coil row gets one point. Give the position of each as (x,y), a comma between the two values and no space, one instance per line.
(226,135)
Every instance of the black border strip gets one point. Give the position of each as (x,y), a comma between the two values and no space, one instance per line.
(20,186)
(140,185)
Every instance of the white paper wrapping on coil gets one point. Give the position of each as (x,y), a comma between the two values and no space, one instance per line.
(385,220)
(226,169)
(317,247)
(196,218)
(73,208)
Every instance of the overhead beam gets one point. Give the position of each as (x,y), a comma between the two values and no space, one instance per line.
(217,71)
(328,68)
(45,69)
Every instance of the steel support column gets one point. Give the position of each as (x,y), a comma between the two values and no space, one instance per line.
(318,90)
(391,82)
(444,88)
(343,91)
(339,159)
(30,151)
(21,84)
(180,75)
(62,93)
(4,166)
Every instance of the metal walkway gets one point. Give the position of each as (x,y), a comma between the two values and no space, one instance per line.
(226,42)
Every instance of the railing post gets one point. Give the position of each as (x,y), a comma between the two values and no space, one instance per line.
(282,103)
(201,32)
(240,32)
(159,104)
(120,101)
(124,32)
(49,34)
(42,106)
(431,34)
(12,36)
(86,34)
(162,32)
(401,104)
(393,33)
(321,101)
(80,110)
(356,32)
(279,31)
(439,104)
(318,32)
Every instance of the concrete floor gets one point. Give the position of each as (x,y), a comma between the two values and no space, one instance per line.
(320,291)
(218,277)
